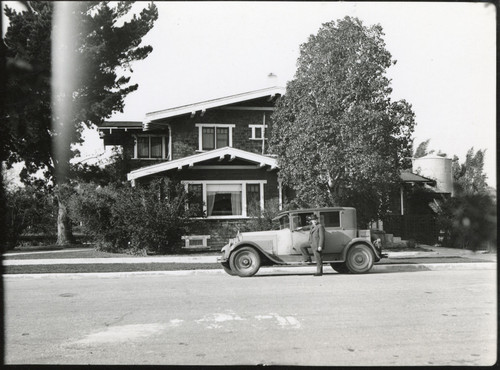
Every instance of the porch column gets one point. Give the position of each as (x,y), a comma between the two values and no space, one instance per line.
(402,199)
(280,195)
(261,197)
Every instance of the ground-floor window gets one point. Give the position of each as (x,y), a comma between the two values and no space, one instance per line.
(225,199)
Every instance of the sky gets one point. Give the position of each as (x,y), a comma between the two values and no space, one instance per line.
(445,52)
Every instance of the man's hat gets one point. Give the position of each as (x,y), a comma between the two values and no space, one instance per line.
(313,217)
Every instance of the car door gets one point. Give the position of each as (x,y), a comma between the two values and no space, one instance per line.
(300,237)
(336,238)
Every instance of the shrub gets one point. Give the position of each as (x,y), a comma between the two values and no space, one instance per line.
(469,221)
(262,220)
(143,219)
(29,210)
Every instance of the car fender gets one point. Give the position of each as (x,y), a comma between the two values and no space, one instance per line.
(245,243)
(360,241)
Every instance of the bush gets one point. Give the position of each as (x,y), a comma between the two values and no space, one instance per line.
(136,220)
(469,221)
(262,220)
(29,210)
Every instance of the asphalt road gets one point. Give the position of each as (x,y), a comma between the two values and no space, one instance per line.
(399,318)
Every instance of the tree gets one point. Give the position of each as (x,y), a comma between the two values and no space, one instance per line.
(104,45)
(339,138)
(422,150)
(469,177)
(469,218)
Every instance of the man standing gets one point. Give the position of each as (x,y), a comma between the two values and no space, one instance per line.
(317,242)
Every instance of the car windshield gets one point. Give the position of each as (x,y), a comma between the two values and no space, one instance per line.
(284,222)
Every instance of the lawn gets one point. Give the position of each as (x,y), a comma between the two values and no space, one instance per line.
(112,267)
(82,251)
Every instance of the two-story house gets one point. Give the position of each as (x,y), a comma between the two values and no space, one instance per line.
(217,148)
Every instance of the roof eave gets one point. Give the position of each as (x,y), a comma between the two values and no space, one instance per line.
(201,106)
(178,164)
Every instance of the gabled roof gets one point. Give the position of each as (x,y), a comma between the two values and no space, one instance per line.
(201,106)
(406,176)
(261,160)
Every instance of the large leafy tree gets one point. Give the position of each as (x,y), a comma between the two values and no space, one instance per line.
(99,56)
(422,150)
(469,177)
(339,138)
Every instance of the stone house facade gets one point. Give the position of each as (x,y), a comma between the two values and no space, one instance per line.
(217,148)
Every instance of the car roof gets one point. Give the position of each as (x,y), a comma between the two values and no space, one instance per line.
(319,209)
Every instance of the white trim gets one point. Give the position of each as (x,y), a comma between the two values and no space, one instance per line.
(214,125)
(190,108)
(223,182)
(243,184)
(119,128)
(262,196)
(280,194)
(249,108)
(262,132)
(196,158)
(228,167)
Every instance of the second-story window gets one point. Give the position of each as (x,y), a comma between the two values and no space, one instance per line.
(150,147)
(214,136)
(258,132)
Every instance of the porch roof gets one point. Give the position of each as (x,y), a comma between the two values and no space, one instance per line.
(120,125)
(202,106)
(407,176)
(261,161)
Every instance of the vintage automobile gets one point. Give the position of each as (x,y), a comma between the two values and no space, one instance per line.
(347,249)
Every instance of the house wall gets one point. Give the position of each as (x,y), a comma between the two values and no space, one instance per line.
(270,188)
(185,139)
(220,230)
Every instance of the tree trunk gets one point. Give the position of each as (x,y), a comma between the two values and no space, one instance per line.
(64,229)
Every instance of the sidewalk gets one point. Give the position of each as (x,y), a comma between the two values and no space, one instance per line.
(436,252)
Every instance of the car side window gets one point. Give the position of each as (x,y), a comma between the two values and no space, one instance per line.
(330,219)
(300,220)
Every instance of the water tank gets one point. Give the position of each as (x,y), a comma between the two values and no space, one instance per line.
(436,168)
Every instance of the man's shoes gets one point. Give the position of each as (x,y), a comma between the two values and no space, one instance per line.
(318,275)
(308,260)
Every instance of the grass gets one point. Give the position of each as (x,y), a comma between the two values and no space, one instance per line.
(112,267)
(87,251)
(79,251)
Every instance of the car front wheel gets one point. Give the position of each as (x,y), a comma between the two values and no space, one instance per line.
(245,262)
(359,259)
(340,267)
(226,268)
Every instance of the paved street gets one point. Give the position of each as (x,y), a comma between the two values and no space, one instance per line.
(382,318)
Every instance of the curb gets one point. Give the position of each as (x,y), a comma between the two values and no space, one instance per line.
(266,271)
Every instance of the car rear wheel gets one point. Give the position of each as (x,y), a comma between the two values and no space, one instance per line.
(340,267)
(245,262)
(226,268)
(359,259)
